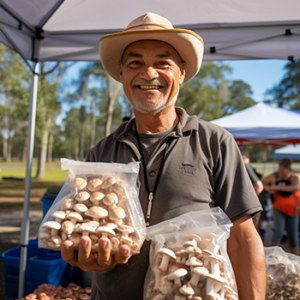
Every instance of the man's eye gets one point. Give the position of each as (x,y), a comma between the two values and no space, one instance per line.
(163,63)
(134,63)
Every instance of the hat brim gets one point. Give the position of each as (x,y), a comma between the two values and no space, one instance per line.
(188,44)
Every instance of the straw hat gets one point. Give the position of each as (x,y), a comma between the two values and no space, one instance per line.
(150,26)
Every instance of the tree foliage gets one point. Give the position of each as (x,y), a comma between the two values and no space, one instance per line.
(286,93)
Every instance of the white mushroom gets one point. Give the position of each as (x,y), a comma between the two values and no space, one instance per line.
(80,183)
(67,204)
(110,200)
(54,226)
(97,213)
(105,232)
(117,214)
(176,275)
(82,196)
(67,227)
(108,182)
(166,255)
(96,198)
(55,241)
(196,273)
(94,184)
(85,229)
(59,216)
(74,217)
(187,290)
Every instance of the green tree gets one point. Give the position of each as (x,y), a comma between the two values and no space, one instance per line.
(14,91)
(286,93)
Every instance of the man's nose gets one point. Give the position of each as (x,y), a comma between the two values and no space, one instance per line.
(149,73)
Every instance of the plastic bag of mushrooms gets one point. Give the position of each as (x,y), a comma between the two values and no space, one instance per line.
(97,200)
(283,274)
(188,258)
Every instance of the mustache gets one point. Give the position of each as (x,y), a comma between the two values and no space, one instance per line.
(149,82)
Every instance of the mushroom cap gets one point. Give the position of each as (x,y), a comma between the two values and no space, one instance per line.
(55,241)
(82,196)
(192,249)
(190,244)
(233,297)
(96,212)
(200,271)
(106,230)
(75,238)
(216,278)
(117,213)
(92,223)
(186,290)
(80,208)
(125,228)
(177,274)
(126,240)
(96,196)
(175,246)
(228,289)
(44,235)
(51,225)
(94,184)
(111,225)
(80,183)
(84,297)
(84,227)
(168,252)
(119,187)
(204,244)
(110,199)
(67,227)
(193,237)
(59,214)
(181,253)
(67,204)
(115,242)
(74,215)
(193,262)
(108,182)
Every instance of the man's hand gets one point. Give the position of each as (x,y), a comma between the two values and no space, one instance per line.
(99,261)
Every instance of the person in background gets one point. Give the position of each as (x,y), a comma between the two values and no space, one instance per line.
(285,185)
(256,182)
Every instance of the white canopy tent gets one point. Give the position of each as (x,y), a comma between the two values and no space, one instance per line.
(263,124)
(58,30)
(289,151)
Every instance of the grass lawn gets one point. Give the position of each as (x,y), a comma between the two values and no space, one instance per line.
(17,169)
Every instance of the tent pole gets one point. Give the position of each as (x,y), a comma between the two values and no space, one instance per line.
(26,221)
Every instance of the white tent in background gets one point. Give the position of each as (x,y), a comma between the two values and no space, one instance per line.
(58,30)
(263,124)
(289,151)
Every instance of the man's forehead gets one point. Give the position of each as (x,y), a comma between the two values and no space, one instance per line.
(158,48)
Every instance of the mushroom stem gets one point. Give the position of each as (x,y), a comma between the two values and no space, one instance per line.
(54,231)
(215,267)
(164,263)
(210,287)
(194,280)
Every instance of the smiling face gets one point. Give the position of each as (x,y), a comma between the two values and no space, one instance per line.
(151,72)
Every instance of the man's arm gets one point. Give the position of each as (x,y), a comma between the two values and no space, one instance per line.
(246,252)
(258,186)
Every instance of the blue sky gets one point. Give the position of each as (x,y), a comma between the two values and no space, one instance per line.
(259,74)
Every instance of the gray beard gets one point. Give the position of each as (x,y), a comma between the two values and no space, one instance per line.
(155,109)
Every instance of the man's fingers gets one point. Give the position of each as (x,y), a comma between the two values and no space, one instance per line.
(68,254)
(123,254)
(104,253)
(84,250)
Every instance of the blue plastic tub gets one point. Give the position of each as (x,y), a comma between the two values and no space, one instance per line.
(46,204)
(43,266)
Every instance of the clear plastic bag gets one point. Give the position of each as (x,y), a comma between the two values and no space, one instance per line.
(283,274)
(97,199)
(188,258)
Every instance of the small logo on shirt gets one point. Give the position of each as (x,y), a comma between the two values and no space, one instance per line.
(187,168)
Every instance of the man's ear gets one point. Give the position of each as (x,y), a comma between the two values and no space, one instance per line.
(121,72)
(182,73)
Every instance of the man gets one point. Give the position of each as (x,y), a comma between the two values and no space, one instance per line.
(201,164)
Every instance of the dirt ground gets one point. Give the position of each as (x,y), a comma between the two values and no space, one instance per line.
(11,214)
